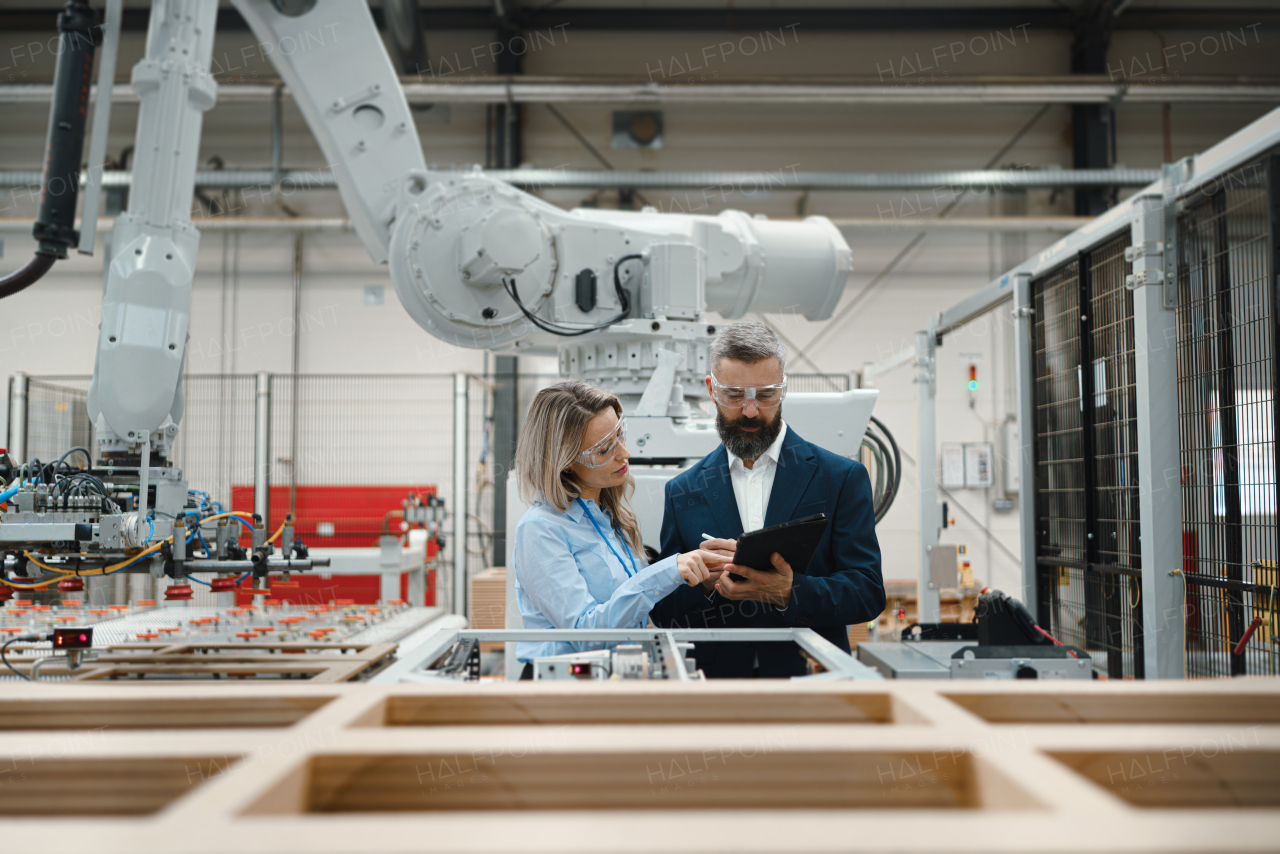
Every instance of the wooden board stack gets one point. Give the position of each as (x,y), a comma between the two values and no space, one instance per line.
(489,603)
(703,767)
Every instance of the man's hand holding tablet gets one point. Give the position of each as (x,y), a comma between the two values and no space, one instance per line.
(772,587)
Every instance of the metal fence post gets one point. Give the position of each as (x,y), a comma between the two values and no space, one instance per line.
(505,416)
(262,446)
(1024,377)
(928,601)
(460,494)
(18,418)
(1159,474)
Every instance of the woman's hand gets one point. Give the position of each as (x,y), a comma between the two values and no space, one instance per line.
(725,547)
(701,567)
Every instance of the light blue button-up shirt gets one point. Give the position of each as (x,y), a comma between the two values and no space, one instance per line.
(567,578)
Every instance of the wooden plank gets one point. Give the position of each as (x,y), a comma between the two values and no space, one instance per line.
(1071,707)
(110,787)
(518,708)
(148,713)
(639,780)
(326,663)
(1184,777)
(799,766)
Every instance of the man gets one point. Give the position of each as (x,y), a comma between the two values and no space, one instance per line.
(765,474)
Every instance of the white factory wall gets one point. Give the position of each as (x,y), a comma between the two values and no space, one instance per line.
(242,302)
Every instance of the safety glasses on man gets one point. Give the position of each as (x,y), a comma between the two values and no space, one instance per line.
(736,396)
(607,448)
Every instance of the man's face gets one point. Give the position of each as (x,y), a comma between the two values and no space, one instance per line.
(747,431)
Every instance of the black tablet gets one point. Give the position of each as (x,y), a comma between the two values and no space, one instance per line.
(796,541)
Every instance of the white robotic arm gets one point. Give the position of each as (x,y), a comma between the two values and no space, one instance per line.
(475,261)
(136,396)
(480,263)
(332,59)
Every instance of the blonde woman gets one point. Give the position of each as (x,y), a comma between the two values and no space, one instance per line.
(578,558)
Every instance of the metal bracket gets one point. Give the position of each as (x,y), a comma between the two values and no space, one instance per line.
(1154,246)
(346,102)
(1146,249)
(1146,277)
(926,358)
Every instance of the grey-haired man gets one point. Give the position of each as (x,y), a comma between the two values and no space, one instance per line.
(764,474)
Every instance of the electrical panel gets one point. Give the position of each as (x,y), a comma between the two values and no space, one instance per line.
(978,466)
(967,466)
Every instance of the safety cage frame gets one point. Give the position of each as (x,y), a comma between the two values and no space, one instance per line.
(1147,378)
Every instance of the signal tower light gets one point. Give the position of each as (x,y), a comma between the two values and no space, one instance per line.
(973,378)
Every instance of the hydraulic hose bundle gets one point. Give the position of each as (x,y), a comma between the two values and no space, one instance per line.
(887,468)
(54,229)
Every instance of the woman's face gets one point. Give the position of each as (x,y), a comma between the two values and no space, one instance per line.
(614,471)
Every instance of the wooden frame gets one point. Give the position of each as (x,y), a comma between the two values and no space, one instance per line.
(336,661)
(762,766)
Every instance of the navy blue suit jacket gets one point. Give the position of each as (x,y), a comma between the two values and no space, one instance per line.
(843,585)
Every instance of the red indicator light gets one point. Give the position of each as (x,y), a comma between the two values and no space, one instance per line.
(72,638)
(579,669)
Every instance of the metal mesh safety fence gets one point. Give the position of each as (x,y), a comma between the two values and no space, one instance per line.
(1227,414)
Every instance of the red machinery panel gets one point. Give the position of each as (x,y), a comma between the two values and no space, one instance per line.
(313,590)
(329,517)
(358,514)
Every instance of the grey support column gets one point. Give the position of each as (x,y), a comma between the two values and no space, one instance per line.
(262,446)
(1024,377)
(929,603)
(1159,480)
(18,418)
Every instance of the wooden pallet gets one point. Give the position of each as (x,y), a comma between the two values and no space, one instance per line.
(710,767)
(322,661)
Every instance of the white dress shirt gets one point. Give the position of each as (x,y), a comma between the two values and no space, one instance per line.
(753,486)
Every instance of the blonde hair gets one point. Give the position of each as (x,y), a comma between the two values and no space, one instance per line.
(548,446)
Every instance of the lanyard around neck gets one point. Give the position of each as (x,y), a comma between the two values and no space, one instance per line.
(591,519)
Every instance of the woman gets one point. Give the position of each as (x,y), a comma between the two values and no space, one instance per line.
(578,557)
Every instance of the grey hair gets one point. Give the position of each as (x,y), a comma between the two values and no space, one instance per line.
(748,341)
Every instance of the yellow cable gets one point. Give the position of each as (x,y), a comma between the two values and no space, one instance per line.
(63,573)
(81,573)
(1138,587)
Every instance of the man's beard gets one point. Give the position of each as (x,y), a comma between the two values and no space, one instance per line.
(748,446)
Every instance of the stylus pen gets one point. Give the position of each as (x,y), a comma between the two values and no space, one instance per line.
(708,536)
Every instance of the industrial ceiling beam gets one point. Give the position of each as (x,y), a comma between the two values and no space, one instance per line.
(1096,89)
(721,19)
(931,189)
(316,225)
